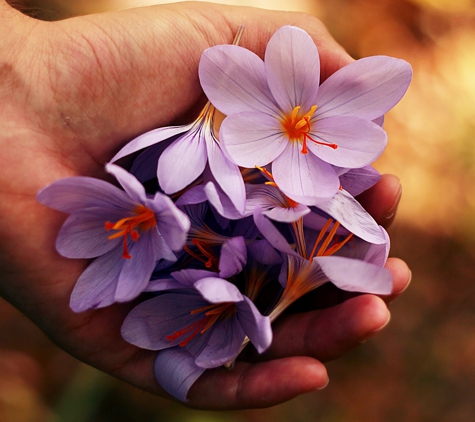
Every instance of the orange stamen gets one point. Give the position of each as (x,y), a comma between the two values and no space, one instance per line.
(329,238)
(212,313)
(337,246)
(299,128)
(320,237)
(208,257)
(324,249)
(193,328)
(267,173)
(144,219)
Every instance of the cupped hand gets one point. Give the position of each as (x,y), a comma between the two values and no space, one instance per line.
(72,93)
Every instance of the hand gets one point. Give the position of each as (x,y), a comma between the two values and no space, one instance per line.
(72,93)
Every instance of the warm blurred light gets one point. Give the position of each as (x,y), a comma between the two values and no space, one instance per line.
(448,5)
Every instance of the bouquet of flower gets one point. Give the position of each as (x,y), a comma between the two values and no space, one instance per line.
(222,229)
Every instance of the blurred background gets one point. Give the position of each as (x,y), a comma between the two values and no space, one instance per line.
(422,367)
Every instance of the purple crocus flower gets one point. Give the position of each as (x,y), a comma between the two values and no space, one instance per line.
(343,207)
(356,181)
(184,160)
(352,264)
(278,113)
(176,371)
(211,320)
(125,230)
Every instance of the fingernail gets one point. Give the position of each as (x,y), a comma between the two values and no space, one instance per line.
(325,386)
(391,212)
(395,295)
(408,282)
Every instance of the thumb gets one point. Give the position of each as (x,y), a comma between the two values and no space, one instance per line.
(119,74)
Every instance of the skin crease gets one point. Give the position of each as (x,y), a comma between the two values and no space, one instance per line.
(71,94)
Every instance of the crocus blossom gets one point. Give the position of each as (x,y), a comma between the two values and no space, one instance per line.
(125,230)
(211,320)
(176,371)
(234,228)
(278,113)
(183,161)
(323,260)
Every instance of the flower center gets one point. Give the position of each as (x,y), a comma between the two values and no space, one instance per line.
(329,244)
(298,127)
(205,254)
(302,276)
(143,219)
(211,314)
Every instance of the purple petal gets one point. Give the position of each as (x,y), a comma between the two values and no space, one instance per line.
(273,203)
(130,184)
(293,68)
(221,203)
(316,221)
(189,276)
(172,223)
(234,80)
(137,270)
(144,167)
(72,194)
(351,215)
(366,88)
(226,174)
(354,275)
(194,195)
(356,181)
(272,235)
(287,215)
(252,139)
(222,221)
(150,322)
(263,252)
(304,177)
(182,162)
(309,272)
(223,344)
(96,286)
(256,326)
(359,141)
(162,249)
(264,196)
(378,254)
(246,228)
(176,371)
(150,138)
(233,257)
(217,290)
(161,284)
(83,235)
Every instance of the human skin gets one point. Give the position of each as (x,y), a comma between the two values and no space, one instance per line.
(72,93)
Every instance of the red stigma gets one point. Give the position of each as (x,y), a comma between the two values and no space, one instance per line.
(144,219)
(298,129)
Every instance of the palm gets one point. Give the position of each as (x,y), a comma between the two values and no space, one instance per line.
(114,76)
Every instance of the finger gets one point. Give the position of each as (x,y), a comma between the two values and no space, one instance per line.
(257,385)
(382,200)
(260,25)
(401,278)
(329,333)
(157,57)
